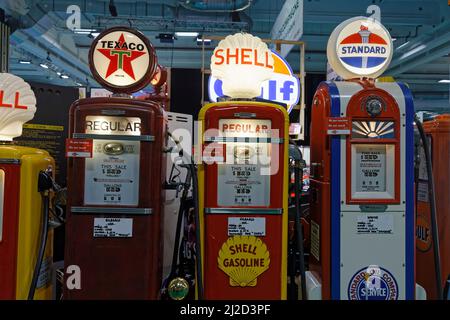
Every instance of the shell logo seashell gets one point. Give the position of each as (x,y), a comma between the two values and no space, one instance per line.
(243,259)
(243,62)
(17,105)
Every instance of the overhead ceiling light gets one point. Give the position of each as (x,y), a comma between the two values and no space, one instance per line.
(205,41)
(65,76)
(166,37)
(186,34)
(43,65)
(78,84)
(412,51)
(58,73)
(84,31)
(444,81)
(25,61)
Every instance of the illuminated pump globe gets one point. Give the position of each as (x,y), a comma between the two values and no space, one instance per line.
(21,101)
(242,80)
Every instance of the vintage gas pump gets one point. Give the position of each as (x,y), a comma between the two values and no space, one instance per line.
(437,132)
(362,188)
(243,179)
(26,254)
(116,173)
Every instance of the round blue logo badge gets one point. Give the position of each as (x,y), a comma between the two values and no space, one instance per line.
(373,283)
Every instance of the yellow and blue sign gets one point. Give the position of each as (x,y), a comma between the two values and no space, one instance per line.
(283,87)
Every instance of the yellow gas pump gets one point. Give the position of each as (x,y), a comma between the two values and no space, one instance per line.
(25,242)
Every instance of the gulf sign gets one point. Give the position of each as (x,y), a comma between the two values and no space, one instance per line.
(283,86)
(359,47)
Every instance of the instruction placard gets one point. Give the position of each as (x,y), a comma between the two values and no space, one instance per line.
(375,224)
(246,226)
(113,228)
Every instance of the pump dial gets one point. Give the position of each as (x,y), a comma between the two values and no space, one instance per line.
(374,106)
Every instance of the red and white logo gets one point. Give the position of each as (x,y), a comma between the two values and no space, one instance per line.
(359,47)
(122,58)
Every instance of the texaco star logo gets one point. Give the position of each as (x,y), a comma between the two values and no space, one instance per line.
(122,60)
(121,56)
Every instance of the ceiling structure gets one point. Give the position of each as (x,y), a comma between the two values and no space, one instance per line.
(42,34)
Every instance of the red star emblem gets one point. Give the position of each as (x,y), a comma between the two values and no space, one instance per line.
(120,58)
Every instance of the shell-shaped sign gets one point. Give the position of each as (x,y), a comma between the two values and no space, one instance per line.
(283,86)
(17,105)
(359,47)
(122,60)
(243,62)
(243,259)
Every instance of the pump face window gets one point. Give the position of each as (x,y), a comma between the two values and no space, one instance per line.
(373,168)
(373,129)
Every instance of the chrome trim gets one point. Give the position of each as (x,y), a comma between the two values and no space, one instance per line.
(244,139)
(112,210)
(113,137)
(245,115)
(9,161)
(275,211)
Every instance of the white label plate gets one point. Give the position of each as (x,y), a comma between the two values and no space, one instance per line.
(375,224)
(113,228)
(246,226)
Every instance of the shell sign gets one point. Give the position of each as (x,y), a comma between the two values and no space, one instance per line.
(242,62)
(243,259)
(17,105)
(283,86)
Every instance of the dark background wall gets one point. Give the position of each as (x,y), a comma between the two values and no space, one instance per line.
(52,118)
(186,94)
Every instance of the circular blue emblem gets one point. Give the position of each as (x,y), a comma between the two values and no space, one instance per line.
(373,283)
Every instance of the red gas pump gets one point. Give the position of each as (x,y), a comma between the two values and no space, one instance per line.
(116,173)
(438,134)
(243,182)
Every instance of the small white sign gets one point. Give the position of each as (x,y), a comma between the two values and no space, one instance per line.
(246,226)
(422,191)
(375,224)
(113,228)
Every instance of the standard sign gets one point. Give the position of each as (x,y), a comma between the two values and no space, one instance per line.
(359,47)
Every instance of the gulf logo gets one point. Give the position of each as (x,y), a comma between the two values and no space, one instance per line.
(364,49)
(283,86)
